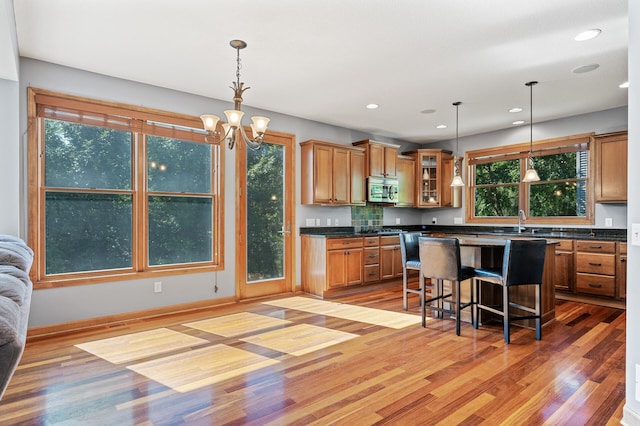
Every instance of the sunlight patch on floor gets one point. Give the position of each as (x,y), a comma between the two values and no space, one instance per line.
(379,317)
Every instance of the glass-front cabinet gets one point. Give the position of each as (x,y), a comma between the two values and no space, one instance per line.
(434,171)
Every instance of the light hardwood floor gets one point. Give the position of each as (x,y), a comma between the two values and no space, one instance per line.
(240,370)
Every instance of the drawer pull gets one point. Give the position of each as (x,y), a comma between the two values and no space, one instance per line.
(371,274)
(595,264)
(346,242)
(595,285)
(373,256)
(595,247)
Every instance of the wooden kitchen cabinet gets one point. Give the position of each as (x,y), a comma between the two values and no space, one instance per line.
(371,259)
(621,272)
(564,269)
(434,171)
(596,267)
(344,267)
(406,167)
(381,157)
(390,257)
(332,174)
(611,167)
(358,178)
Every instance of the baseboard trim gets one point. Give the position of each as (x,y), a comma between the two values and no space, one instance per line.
(47,331)
(629,417)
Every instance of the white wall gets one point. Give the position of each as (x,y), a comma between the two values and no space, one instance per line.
(632,404)
(599,122)
(10,144)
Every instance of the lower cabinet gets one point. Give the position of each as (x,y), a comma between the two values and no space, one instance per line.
(591,268)
(390,257)
(335,263)
(565,275)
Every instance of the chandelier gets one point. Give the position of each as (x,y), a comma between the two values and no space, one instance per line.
(232,129)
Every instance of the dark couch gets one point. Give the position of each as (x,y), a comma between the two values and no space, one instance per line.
(15,299)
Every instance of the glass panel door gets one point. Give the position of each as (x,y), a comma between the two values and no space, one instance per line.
(265,213)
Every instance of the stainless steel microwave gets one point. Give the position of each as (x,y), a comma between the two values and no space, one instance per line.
(382,190)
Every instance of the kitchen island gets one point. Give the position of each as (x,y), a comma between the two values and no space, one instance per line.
(337,261)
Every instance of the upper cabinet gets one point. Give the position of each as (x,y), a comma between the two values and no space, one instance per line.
(332,174)
(434,171)
(611,167)
(381,158)
(406,167)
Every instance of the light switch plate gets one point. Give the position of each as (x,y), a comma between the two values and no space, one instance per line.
(635,234)
(310,222)
(608,222)
(397,221)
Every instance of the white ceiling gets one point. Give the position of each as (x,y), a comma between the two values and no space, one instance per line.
(325,60)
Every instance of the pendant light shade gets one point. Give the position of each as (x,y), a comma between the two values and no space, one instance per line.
(457,161)
(531,175)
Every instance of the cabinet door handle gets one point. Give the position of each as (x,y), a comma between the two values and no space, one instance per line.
(595,285)
(595,247)
(595,264)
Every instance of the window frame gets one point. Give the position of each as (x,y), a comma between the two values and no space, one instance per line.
(579,142)
(140,121)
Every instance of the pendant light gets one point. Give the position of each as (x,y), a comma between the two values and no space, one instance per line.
(531,175)
(457,161)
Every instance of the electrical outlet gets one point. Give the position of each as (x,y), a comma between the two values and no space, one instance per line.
(608,222)
(397,221)
(336,222)
(157,287)
(317,221)
(457,221)
(434,220)
(328,221)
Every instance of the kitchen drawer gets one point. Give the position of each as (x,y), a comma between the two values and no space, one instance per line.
(371,273)
(564,245)
(594,263)
(340,243)
(371,241)
(596,246)
(371,256)
(600,285)
(389,240)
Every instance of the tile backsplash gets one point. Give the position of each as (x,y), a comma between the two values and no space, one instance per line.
(366,217)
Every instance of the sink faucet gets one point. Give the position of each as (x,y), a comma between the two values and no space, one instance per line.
(521,218)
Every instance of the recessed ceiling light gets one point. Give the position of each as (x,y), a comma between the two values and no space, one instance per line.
(585,68)
(624,85)
(588,35)
(517,122)
(441,126)
(372,106)
(516,109)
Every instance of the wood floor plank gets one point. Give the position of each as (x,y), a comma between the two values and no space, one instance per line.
(382,375)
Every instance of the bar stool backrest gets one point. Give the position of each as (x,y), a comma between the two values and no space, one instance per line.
(440,258)
(409,246)
(523,262)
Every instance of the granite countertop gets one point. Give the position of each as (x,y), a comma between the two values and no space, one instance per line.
(602,234)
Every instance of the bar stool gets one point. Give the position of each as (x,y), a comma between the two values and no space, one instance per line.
(522,264)
(410,261)
(440,260)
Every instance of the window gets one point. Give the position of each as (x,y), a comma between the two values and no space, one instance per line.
(117,191)
(562,196)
